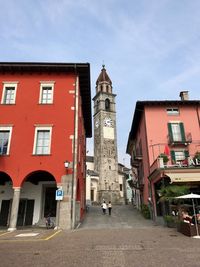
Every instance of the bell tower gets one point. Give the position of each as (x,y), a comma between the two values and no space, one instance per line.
(105,140)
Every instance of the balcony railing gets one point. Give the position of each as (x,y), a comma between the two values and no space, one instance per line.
(187,163)
(183,141)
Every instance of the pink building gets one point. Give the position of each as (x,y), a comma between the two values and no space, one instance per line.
(167,127)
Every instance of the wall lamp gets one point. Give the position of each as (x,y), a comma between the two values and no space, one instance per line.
(66,164)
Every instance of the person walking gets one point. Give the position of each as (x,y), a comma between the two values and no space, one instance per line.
(109,207)
(104,207)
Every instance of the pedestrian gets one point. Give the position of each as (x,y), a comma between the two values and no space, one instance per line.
(109,207)
(104,207)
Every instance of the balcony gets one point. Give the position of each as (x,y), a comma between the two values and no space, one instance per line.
(136,185)
(172,141)
(136,157)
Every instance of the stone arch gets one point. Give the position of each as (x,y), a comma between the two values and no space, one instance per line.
(38,176)
(5,178)
(38,190)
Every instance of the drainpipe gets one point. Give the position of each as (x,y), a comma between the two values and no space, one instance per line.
(75,152)
(197,110)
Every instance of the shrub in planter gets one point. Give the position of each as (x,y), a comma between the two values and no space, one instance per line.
(197,156)
(165,157)
(145,211)
(170,221)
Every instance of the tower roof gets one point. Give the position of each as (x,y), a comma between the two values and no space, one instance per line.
(103,76)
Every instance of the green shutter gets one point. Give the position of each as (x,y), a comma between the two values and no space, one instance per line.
(173,156)
(170,132)
(182,132)
(186,153)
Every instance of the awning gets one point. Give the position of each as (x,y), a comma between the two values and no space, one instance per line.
(183,177)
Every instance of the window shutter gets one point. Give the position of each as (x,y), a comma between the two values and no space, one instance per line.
(182,132)
(170,132)
(186,153)
(173,156)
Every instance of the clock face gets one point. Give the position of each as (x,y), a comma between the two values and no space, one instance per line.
(97,123)
(108,122)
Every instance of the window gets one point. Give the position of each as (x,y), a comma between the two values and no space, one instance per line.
(120,187)
(9,93)
(107,104)
(179,156)
(172,111)
(5,136)
(46,92)
(176,132)
(42,141)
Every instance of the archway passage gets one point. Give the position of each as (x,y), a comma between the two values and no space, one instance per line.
(45,187)
(5,199)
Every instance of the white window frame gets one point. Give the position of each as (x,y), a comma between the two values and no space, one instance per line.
(46,84)
(2,128)
(41,128)
(179,155)
(5,86)
(173,111)
(176,131)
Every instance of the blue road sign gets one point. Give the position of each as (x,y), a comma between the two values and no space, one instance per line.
(59,194)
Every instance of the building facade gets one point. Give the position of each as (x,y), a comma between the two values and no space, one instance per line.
(45,117)
(92,182)
(105,140)
(163,143)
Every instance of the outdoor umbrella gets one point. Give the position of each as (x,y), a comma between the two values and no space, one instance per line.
(192,196)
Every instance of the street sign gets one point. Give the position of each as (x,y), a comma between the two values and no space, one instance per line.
(59,194)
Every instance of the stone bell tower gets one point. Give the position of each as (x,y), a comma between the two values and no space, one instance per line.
(105,140)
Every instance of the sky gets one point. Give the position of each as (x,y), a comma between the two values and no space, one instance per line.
(150,48)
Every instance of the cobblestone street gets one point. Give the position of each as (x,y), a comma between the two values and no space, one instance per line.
(125,239)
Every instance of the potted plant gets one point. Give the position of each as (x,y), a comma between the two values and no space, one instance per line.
(164,157)
(168,194)
(197,157)
(170,221)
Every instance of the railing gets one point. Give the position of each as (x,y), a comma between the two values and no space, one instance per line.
(183,141)
(186,163)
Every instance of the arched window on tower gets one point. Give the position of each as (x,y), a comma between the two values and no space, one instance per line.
(97,105)
(107,88)
(107,104)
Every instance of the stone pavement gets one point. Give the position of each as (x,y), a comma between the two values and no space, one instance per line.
(123,240)
(123,217)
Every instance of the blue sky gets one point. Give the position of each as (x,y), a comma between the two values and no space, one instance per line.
(151,48)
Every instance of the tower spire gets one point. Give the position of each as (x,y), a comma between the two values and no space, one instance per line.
(104,83)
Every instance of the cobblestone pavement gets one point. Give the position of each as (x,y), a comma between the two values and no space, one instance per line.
(123,240)
(123,216)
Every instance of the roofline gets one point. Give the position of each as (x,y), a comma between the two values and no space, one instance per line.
(82,69)
(139,108)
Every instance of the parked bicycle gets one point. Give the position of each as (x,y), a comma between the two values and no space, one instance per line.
(49,222)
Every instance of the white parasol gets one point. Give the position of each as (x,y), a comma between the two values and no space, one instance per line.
(192,196)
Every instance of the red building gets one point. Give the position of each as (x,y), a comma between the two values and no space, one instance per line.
(164,145)
(45,117)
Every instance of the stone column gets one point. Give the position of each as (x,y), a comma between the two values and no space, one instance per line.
(14,209)
(63,215)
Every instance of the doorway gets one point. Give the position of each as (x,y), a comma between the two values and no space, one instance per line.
(92,194)
(50,202)
(5,211)
(25,212)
